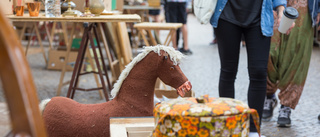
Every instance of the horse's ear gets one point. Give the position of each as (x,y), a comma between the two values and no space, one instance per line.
(165,55)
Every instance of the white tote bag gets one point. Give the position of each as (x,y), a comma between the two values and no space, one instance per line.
(204,9)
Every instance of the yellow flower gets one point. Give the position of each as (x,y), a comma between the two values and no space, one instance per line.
(192,130)
(231,122)
(203,133)
(182,133)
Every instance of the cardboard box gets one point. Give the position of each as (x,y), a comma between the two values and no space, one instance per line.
(154,3)
(57,58)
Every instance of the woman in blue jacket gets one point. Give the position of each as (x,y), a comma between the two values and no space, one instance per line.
(253,19)
(289,61)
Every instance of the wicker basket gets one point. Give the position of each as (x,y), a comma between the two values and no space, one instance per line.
(214,117)
(154,3)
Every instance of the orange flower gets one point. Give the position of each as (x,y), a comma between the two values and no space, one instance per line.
(231,122)
(192,130)
(203,133)
(181,108)
(235,135)
(238,117)
(240,108)
(194,120)
(217,111)
(182,133)
(185,124)
(178,118)
(244,117)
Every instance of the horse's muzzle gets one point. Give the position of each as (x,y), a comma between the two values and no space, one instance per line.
(185,87)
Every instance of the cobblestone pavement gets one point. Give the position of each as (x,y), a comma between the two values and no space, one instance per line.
(202,69)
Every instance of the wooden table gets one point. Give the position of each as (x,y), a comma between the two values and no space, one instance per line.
(64,20)
(148,26)
(142,9)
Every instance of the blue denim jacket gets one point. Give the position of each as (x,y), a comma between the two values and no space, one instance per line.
(313,6)
(266,14)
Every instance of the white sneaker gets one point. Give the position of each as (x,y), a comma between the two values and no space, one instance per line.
(255,134)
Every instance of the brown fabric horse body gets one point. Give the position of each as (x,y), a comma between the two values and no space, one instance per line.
(134,96)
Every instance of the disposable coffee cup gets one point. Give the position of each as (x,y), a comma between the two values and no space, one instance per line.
(290,15)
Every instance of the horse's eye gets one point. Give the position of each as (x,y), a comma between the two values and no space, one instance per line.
(171,68)
(165,57)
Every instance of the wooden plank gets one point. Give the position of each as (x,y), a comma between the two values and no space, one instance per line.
(101,18)
(130,120)
(140,7)
(157,26)
(124,42)
(131,127)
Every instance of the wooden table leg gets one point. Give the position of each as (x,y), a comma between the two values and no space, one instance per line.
(106,47)
(144,37)
(153,41)
(68,46)
(168,38)
(94,68)
(30,37)
(173,36)
(23,30)
(50,38)
(40,43)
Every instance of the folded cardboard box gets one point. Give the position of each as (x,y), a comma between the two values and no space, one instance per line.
(58,57)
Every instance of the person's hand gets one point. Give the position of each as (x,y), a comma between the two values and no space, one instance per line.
(280,10)
(318,19)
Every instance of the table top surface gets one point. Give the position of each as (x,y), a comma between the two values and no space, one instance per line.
(153,25)
(140,7)
(101,18)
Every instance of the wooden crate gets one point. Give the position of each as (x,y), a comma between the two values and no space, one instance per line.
(139,126)
(154,3)
(131,126)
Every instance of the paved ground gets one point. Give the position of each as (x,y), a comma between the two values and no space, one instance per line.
(202,69)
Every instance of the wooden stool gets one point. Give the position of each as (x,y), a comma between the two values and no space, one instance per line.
(148,26)
(87,35)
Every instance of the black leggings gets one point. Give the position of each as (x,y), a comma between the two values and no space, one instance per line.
(258,46)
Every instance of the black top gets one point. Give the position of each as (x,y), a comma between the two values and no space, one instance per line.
(242,12)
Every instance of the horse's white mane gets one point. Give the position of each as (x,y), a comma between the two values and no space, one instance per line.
(175,57)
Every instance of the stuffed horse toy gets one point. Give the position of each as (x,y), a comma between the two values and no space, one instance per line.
(133,96)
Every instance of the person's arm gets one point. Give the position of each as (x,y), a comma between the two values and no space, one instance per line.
(279,6)
(318,10)
(277,3)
